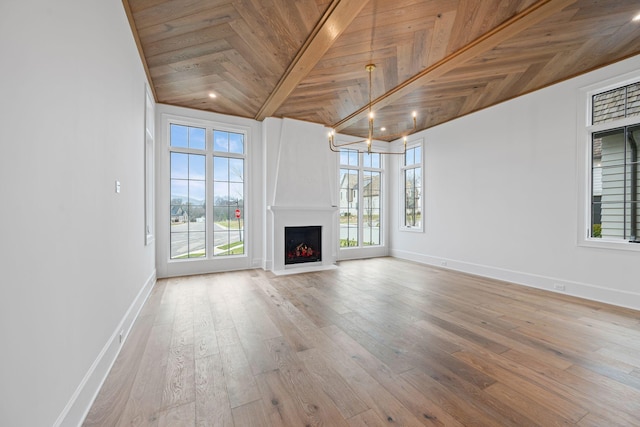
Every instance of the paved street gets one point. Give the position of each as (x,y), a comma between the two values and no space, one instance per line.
(197,232)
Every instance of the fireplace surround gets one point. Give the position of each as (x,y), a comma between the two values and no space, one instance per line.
(296,218)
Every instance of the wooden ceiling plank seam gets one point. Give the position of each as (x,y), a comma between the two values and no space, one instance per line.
(331,25)
(309,11)
(189,40)
(136,38)
(261,63)
(198,53)
(278,41)
(175,9)
(189,24)
(292,20)
(189,68)
(440,41)
(421,42)
(140,5)
(518,23)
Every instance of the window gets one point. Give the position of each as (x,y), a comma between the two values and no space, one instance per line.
(207,192)
(615,133)
(412,186)
(228,193)
(360,197)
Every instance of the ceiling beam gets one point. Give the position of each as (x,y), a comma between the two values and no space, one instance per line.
(338,16)
(518,23)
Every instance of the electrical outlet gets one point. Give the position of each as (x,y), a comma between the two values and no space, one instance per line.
(443,263)
(559,287)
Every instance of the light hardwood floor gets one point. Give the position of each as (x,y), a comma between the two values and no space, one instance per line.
(376,342)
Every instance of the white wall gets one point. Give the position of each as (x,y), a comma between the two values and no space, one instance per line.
(502,194)
(74,264)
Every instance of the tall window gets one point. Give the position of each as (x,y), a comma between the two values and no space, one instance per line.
(207,192)
(360,197)
(228,193)
(412,183)
(615,133)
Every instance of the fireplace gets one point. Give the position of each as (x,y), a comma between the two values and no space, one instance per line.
(302,244)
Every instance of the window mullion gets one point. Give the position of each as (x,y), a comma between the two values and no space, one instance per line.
(360,205)
(209,191)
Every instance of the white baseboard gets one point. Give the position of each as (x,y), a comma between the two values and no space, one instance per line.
(78,406)
(362,253)
(582,290)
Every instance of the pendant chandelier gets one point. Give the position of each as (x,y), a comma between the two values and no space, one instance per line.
(369,142)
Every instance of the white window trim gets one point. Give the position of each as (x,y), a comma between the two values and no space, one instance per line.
(167,121)
(584,132)
(411,143)
(149,172)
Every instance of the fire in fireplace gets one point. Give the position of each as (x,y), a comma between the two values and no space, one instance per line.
(302,244)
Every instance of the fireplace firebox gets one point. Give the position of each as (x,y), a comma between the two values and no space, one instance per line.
(302,244)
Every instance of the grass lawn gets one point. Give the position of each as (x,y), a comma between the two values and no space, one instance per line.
(235,248)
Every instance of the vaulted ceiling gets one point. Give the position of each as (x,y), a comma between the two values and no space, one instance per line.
(305,59)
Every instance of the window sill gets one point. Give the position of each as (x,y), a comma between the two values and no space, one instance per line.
(412,229)
(610,244)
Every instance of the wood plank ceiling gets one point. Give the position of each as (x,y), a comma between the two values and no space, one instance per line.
(305,59)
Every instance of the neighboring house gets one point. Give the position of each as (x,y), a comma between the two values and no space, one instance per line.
(615,189)
(179,214)
(371,192)
(348,192)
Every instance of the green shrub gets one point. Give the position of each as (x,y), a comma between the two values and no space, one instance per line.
(596,230)
(345,243)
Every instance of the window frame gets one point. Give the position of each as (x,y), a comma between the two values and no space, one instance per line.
(411,143)
(361,169)
(585,131)
(209,153)
(149,170)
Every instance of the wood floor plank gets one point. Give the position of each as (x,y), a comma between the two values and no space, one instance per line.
(519,378)
(241,385)
(333,384)
(374,342)
(179,382)
(316,404)
(250,415)
(366,419)
(145,400)
(177,416)
(388,394)
(281,407)
(212,402)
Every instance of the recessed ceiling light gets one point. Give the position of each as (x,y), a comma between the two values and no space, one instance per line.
(636,18)
(383,128)
(212,95)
